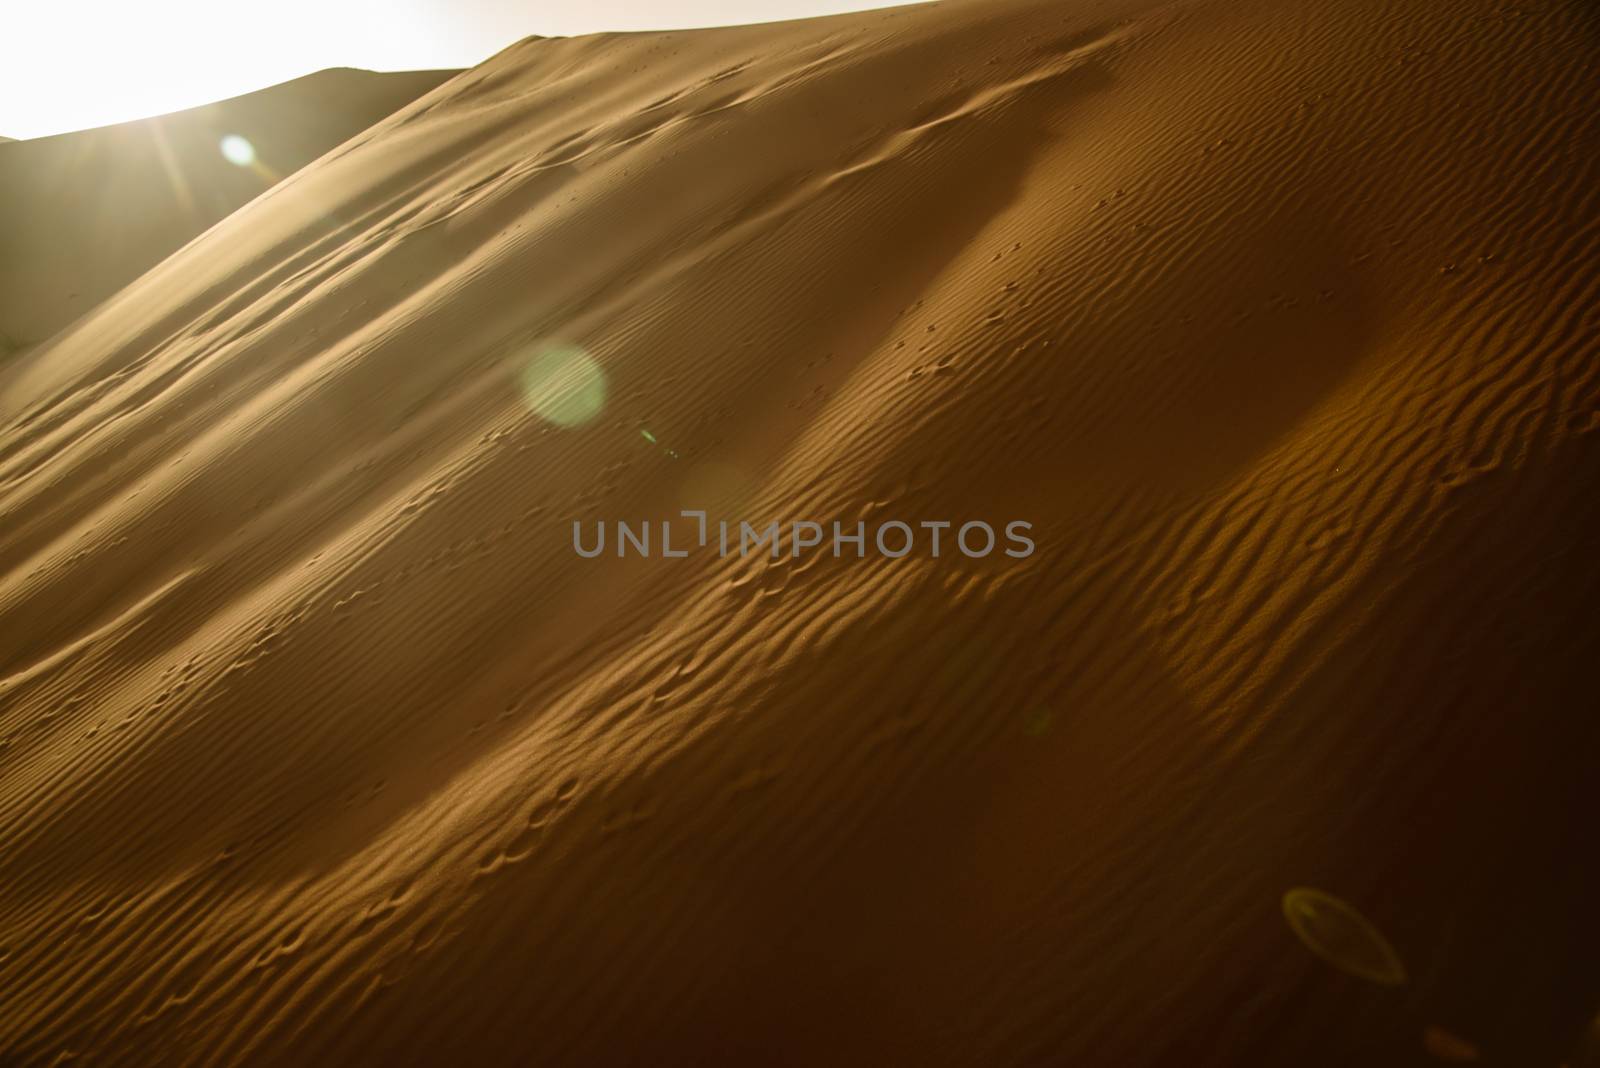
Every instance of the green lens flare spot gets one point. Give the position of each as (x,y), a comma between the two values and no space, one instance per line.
(237,151)
(564,385)
(1039,722)
(1343,937)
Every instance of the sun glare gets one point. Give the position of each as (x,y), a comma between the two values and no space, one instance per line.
(98,62)
(238,151)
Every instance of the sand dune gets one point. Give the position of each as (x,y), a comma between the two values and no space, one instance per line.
(319,744)
(83,214)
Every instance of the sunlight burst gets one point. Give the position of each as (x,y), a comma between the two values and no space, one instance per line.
(238,151)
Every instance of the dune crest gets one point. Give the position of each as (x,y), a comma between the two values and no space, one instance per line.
(319,744)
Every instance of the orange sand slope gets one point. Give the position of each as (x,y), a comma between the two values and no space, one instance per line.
(83,214)
(319,744)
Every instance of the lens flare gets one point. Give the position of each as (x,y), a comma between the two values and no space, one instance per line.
(564,385)
(1340,935)
(238,151)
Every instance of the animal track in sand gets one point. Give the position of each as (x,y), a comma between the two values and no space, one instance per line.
(522,843)
(757,778)
(286,945)
(626,819)
(380,911)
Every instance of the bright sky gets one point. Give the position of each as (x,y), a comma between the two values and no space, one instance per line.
(72,64)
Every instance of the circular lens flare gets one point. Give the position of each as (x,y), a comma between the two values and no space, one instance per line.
(564,385)
(238,151)
(1340,935)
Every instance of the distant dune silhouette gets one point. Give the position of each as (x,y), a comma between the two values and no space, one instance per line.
(83,214)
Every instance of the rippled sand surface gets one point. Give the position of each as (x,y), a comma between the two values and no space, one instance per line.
(1279,321)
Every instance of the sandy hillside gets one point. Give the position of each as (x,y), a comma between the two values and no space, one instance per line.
(320,745)
(83,214)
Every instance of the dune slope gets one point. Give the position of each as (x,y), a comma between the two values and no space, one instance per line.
(83,214)
(320,745)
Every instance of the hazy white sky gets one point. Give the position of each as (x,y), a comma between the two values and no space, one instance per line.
(71,64)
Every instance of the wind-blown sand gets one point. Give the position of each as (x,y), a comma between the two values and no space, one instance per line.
(319,745)
(83,214)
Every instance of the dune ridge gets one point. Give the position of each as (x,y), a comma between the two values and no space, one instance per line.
(318,744)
